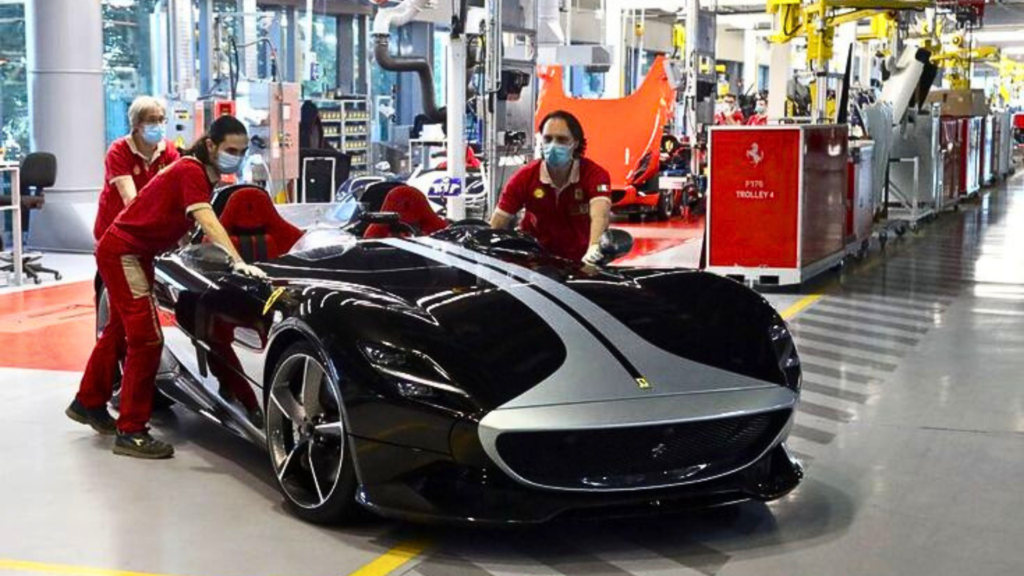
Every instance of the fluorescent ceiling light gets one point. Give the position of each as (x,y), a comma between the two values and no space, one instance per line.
(748,21)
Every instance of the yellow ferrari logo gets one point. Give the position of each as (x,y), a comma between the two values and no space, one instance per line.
(273,298)
(538,193)
(179,142)
(579,194)
(642,383)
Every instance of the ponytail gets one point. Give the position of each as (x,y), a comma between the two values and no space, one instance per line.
(220,129)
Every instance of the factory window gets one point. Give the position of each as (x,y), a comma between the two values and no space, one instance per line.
(14,121)
(325,46)
(127,66)
(441,41)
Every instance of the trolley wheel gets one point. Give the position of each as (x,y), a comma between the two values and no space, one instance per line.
(37,280)
(900,231)
(915,228)
(57,277)
(865,246)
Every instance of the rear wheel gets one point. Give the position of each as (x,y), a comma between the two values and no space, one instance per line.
(306,437)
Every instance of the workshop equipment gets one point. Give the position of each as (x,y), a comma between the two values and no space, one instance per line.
(777,202)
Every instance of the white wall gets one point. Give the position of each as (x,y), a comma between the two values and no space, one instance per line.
(587,28)
(729,44)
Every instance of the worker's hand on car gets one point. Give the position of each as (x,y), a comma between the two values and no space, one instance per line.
(593,257)
(248,270)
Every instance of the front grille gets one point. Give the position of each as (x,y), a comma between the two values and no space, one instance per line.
(636,457)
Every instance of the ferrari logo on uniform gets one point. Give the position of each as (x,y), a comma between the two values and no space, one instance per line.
(642,383)
(136,170)
(538,193)
(273,298)
(579,194)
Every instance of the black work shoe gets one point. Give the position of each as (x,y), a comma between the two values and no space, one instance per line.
(142,445)
(100,420)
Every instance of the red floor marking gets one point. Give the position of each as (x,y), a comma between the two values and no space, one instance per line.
(652,237)
(47,328)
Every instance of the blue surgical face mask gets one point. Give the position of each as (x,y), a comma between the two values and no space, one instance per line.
(557,155)
(228,163)
(152,134)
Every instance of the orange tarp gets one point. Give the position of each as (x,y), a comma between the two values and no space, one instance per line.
(621,131)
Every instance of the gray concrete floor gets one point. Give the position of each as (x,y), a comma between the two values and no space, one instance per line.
(911,426)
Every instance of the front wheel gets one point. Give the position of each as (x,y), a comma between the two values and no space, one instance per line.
(306,437)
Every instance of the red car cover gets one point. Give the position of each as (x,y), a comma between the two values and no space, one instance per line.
(620,132)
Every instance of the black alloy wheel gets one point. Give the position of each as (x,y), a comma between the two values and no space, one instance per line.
(306,438)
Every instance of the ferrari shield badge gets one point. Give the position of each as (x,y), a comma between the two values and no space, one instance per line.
(273,298)
(579,194)
(538,193)
(642,383)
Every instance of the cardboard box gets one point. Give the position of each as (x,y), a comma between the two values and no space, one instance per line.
(960,102)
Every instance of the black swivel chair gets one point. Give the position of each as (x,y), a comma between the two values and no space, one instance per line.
(38,172)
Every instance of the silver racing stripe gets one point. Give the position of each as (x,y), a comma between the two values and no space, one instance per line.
(666,373)
(587,360)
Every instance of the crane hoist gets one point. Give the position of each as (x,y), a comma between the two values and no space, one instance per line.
(818,20)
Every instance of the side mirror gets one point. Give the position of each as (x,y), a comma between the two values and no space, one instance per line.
(615,244)
(206,257)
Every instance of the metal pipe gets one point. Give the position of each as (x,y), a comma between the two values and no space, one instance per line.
(419,65)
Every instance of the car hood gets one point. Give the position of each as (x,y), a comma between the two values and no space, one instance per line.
(516,329)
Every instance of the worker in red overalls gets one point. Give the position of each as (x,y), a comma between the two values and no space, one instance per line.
(760,115)
(565,196)
(728,113)
(161,214)
(132,161)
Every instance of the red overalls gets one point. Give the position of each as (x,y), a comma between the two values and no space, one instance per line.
(558,219)
(149,226)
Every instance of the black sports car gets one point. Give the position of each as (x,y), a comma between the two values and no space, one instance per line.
(471,376)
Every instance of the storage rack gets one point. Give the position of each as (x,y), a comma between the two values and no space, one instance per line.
(346,121)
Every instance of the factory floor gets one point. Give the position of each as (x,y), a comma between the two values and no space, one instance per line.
(911,429)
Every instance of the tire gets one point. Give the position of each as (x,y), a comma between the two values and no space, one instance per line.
(664,211)
(307,439)
(160,401)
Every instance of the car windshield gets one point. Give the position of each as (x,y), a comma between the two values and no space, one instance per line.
(308,216)
(321,242)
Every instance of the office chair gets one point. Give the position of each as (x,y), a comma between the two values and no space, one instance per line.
(38,172)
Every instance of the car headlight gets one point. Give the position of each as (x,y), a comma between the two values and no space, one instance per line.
(412,374)
(785,352)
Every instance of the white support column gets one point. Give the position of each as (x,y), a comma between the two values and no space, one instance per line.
(613,37)
(750,63)
(457,125)
(778,77)
(66,104)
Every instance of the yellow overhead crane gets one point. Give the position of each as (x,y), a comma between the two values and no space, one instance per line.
(818,20)
(956,59)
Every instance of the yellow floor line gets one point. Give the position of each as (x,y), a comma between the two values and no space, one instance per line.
(800,305)
(393,559)
(7,565)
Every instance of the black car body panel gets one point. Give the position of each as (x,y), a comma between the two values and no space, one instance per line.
(504,350)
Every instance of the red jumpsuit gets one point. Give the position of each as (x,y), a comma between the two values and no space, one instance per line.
(125,161)
(149,226)
(558,218)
